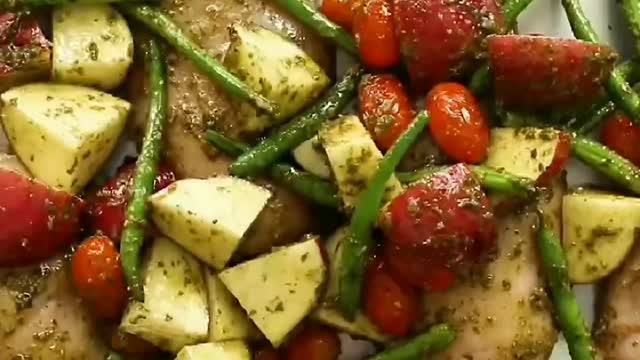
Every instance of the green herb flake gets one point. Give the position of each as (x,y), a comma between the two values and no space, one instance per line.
(93,51)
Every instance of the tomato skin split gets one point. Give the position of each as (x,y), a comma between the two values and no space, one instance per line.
(438,229)
(98,277)
(621,135)
(388,303)
(374,32)
(315,342)
(458,125)
(385,108)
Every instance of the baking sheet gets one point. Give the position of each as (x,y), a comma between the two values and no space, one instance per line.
(542,17)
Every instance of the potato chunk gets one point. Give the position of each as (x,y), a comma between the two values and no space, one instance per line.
(279,289)
(63,133)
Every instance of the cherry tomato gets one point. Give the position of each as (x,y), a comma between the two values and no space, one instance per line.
(266,353)
(339,11)
(375,34)
(621,135)
(457,123)
(391,305)
(108,203)
(314,343)
(438,228)
(559,162)
(132,346)
(385,108)
(97,275)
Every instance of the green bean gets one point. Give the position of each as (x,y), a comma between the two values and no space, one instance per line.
(481,79)
(518,119)
(630,71)
(358,248)
(307,14)
(597,117)
(512,9)
(146,169)
(607,162)
(567,310)
(300,129)
(318,190)
(631,9)
(227,145)
(489,178)
(434,340)
(503,182)
(162,25)
(408,177)
(619,90)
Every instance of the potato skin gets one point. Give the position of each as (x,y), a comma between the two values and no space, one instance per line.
(195,103)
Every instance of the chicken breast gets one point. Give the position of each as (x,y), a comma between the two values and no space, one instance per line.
(196,102)
(42,319)
(503,312)
(617,331)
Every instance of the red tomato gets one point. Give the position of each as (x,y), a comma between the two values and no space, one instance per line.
(338,11)
(132,346)
(457,123)
(391,305)
(375,34)
(20,30)
(36,221)
(438,228)
(622,136)
(417,266)
(266,353)
(108,204)
(314,343)
(97,275)
(559,162)
(29,33)
(441,40)
(385,108)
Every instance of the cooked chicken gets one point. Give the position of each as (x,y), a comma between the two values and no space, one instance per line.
(618,329)
(42,319)
(196,103)
(503,313)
